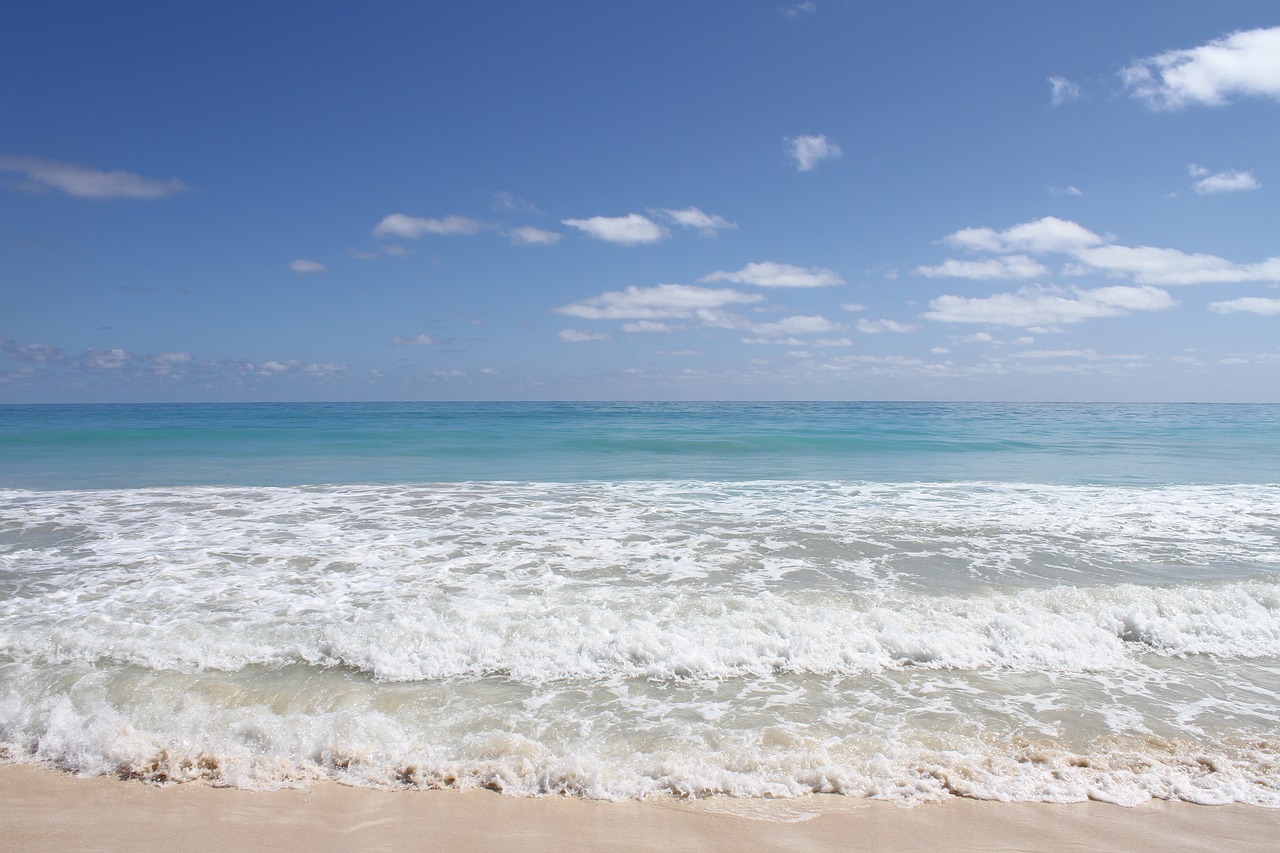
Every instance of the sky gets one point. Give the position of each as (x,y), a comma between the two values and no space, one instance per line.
(821,200)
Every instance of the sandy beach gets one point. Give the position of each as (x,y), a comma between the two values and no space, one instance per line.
(50,810)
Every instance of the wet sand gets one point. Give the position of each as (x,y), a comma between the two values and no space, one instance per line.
(43,809)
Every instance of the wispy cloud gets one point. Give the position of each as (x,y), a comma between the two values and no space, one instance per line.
(529,236)
(650,327)
(413,227)
(772,274)
(83,182)
(415,341)
(1040,306)
(630,230)
(875,327)
(797,10)
(577,336)
(510,203)
(691,217)
(305,267)
(809,151)
(663,301)
(1242,63)
(1062,91)
(1264,306)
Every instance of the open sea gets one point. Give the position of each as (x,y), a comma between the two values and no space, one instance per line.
(905,602)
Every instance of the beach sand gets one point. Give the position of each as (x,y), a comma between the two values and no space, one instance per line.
(43,809)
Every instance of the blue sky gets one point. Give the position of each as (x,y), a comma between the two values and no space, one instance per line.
(663,200)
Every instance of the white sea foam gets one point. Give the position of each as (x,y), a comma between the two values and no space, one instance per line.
(628,639)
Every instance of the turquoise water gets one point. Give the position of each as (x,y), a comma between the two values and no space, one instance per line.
(906,602)
(129,446)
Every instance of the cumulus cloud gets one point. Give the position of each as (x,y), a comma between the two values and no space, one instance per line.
(577,336)
(1008,267)
(305,267)
(1261,305)
(809,151)
(875,327)
(31,353)
(1152,265)
(1243,63)
(415,341)
(1090,254)
(630,230)
(1224,182)
(770,274)
(691,217)
(663,301)
(83,182)
(413,227)
(529,236)
(1039,306)
(1062,91)
(1049,234)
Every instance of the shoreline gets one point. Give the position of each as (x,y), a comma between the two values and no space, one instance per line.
(45,808)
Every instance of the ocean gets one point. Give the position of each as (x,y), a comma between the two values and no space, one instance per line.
(907,602)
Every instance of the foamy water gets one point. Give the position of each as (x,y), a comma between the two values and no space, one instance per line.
(269,618)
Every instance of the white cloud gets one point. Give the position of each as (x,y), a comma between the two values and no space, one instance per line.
(82,182)
(770,274)
(513,204)
(875,327)
(529,236)
(663,301)
(107,359)
(1007,267)
(795,10)
(692,217)
(809,151)
(1243,63)
(1151,265)
(1227,182)
(413,227)
(853,306)
(629,230)
(797,325)
(577,336)
(649,327)
(1049,234)
(307,267)
(1038,306)
(1262,305)
(1091,254)
(416,341)
(1062,91)
(784,331)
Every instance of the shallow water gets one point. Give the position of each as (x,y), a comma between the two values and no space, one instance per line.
(760,600)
